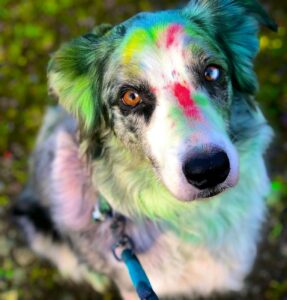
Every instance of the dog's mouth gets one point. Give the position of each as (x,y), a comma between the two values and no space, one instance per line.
(187,193)
(210,193)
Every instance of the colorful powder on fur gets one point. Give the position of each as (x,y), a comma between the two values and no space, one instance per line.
(185,100)
(137,40)
(172,31)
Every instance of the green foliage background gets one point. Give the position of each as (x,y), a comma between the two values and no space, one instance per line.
(29,32)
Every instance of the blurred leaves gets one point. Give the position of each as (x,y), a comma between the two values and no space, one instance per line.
(11,295)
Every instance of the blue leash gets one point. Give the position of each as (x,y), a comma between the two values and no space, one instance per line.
(137,274)
(123,250)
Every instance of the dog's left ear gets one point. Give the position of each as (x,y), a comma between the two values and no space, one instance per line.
(75,75)
(253,7)
(233,24)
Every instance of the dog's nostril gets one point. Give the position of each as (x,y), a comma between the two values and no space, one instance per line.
(207,169)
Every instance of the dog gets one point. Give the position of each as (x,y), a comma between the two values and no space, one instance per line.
(157,118)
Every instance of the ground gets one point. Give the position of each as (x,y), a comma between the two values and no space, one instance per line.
(29,32)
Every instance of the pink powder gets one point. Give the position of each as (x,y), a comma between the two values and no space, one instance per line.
(153,90)
(183,94)
(172,31)
(73,195)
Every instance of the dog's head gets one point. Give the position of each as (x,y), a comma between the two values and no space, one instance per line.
(164,84)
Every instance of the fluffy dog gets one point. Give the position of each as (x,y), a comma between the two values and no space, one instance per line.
(160,121)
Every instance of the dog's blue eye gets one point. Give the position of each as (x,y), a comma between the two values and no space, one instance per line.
(212,73)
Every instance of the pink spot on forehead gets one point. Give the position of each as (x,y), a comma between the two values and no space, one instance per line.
(183,95)
(153,89)
(172,32)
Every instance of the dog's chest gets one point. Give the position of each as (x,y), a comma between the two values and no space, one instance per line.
(173,266)
(177,267)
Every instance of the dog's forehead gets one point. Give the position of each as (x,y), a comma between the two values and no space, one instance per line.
(161,46)
(154,33)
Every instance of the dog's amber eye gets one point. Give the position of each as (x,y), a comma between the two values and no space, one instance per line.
(212,73)
(131,98)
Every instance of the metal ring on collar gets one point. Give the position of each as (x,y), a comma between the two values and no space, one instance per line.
(124,243)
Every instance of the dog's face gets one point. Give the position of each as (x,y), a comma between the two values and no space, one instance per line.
(164,84)
(170,90)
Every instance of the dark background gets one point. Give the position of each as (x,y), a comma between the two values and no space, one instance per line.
(29,32)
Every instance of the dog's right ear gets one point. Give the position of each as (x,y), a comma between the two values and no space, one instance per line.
(75,75)
(234,25)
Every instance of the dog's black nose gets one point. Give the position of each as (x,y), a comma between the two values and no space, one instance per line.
(207,169)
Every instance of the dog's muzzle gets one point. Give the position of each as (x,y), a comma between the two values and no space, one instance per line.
(207,169)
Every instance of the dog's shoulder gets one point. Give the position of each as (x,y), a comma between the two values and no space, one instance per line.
(58,169)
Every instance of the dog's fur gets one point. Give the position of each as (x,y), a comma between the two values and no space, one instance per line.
(189,241)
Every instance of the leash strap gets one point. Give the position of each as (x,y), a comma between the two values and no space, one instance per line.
(123,251)
(138,276)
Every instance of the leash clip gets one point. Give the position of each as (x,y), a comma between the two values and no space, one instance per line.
(124,243)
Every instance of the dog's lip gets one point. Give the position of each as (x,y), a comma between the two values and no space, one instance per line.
(207,194)
(212,193)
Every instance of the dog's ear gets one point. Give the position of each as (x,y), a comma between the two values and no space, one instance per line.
(233,24)
(75,75)
(253,7)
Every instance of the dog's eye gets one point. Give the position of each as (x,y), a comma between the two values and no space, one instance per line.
(131,98)
(212,73)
